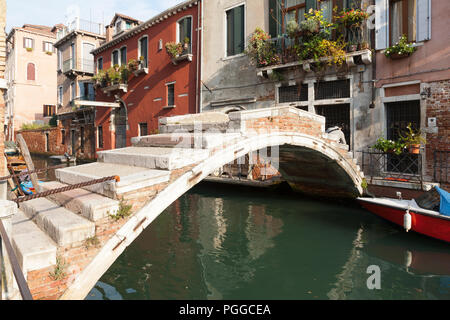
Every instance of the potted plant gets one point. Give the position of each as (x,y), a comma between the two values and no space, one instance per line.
(353,18)
(124,74)
(133,65)
(310,27)
(186,43)
(413,139)
(364,45)
(401,49)
(353,46)
(389,146)
(49,53)
(293,29)
(260,51)
(174,49)
(29,49)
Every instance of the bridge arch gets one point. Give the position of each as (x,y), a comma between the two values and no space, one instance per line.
(293,146)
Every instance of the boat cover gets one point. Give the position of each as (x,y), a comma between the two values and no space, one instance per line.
(445,202)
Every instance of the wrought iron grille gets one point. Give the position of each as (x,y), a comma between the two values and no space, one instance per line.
(405,167)
(293,93)
(441,166)
(399,115)
(336,115)
(332,89)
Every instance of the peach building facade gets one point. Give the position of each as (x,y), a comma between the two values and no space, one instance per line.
(30,76)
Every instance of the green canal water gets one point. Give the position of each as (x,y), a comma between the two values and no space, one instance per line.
(222,242)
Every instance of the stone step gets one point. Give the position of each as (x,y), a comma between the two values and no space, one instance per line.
(200,140)
(63,226)
(154,158)
(34,248)
(131,178)
(83,202)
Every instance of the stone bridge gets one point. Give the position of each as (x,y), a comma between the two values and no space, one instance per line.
(67,241)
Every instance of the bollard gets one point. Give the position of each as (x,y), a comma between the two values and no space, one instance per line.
(8,284)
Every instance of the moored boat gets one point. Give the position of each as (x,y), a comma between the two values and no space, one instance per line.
(428,214)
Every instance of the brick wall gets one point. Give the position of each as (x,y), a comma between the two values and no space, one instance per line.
(37,141)
(438,106)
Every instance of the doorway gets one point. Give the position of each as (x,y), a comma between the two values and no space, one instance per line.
(120,123)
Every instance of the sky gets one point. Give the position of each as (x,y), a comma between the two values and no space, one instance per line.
(51,12)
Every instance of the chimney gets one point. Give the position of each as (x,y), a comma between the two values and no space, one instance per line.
(109,33)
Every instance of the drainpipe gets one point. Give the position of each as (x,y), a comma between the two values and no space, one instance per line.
(199,59)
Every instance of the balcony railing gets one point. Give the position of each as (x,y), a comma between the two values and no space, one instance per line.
(287,50)
(78,65)
(404,167)
(81,25)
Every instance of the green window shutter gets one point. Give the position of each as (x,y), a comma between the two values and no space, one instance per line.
(235,31)
(239,30)
(274,18)
(230,33)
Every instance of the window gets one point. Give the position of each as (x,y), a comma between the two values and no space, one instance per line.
(143,50)
(143,130)
(185,31)
(100,137)
(82,139)
(118,26)
(73,90)
(115,57)
(394,18)
(293,93)
(332,89)
(72,52)
(327,8)
(63,137)
(235,30)
(47,46)
(123,56)
(295,10)
(60,95)
(28,43)
(171,94)
(403,15)
(31,72)
(49,110)
(336,115)
(100,64)
(60,62)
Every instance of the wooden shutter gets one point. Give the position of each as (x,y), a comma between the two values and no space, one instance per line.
(381,24)
(423,20)
(230,33)
(31,72)
(82,93)
(239,37)
(274,18)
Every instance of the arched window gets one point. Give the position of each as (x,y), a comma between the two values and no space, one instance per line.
(184,32)
(31,72)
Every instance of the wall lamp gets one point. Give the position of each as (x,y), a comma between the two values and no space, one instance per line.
(426,93)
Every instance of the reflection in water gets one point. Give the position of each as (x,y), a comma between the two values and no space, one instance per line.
(230,243)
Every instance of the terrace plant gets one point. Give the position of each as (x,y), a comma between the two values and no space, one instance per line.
(174,49)
(353,18)
(261,51)
(390,146)
(401,49)
(133,65)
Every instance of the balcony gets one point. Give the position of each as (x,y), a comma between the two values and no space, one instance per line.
(108,89)
(186,54)
(74,67)
(286,50)
(400,169)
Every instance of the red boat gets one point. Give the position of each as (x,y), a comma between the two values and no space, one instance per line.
(412,216)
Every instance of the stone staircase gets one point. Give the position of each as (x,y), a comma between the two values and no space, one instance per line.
(46,227)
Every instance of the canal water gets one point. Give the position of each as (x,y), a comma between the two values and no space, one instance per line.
(222,242)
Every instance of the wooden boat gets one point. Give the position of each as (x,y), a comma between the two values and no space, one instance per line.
(426,215)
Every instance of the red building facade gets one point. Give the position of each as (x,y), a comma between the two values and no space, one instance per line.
(162,85)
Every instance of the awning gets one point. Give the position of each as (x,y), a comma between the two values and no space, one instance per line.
(96,104)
